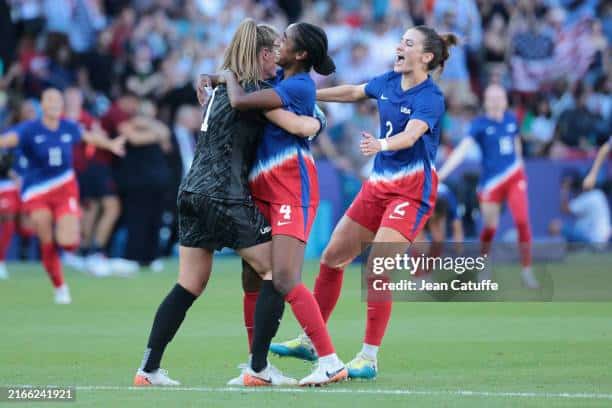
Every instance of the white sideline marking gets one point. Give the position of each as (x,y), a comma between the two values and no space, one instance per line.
(333,390)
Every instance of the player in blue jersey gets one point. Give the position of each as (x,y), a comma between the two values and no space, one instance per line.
(284,184)
(49,190)
(397,199)
(503,177)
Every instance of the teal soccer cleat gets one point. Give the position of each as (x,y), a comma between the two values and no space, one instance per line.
(300,347)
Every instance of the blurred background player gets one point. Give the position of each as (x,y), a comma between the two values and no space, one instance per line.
(398,198)
(445,217)
(98,193)
(285,187)
(49,190)
(9,206)
(503,177)
(12,165)
(602,155)
(215,205)
(590,212)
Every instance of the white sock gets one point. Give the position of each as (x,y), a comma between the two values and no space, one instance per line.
(330,360)
(369,351)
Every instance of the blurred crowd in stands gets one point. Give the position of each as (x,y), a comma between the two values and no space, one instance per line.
(126,61)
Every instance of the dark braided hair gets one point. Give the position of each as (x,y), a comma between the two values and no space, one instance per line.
(438,45)
(313,40)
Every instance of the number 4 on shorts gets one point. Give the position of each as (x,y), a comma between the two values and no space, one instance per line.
(286,211)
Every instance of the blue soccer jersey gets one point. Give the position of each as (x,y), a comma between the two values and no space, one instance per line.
(48,154)
(284,171)
(496,140)
(408,171)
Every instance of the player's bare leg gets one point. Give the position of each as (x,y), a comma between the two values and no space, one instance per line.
(195,265)
(345,244)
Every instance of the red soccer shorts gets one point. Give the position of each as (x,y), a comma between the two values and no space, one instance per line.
(286,219)
(61,200)
(404,214)
(516,183)
(9,201)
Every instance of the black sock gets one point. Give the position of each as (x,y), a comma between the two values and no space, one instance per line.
(168,319)
(268,312)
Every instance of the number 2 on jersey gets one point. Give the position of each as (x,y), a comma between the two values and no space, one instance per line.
(55,156)
(389,127)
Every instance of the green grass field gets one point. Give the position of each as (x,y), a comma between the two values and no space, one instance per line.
(434,354)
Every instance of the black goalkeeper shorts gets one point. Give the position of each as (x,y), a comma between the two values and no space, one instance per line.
(211,223)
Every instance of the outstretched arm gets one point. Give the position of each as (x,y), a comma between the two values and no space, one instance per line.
(342,93)
(101,140)
(264,99)
(591,178)
(8,140)
(455,158)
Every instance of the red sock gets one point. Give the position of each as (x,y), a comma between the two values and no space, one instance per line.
(6,233)
(524,233)
(249,299)
(379,312)
(52,264)
(327,289)
(486,237)
(307,312)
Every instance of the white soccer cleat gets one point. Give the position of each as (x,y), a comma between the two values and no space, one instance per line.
(239,381)
(529,279)
(266,377)
(74,261)
(98,265)
(62,295)
(3,272)
(123,267)
(158,377)
(157,266)
(323,375)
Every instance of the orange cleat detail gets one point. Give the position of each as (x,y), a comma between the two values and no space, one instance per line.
(141,381)
(253,381)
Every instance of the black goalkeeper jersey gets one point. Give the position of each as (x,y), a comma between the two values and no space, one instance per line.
(225,150)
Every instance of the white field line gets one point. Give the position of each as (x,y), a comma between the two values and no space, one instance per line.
(333,390)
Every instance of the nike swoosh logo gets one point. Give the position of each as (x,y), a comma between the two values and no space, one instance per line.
(383,97)
(331,375)
(395,218)
(280,224)
(265,230)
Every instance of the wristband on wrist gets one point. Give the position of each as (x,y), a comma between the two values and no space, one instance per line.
(384,145)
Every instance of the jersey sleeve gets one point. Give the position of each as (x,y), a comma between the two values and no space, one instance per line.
(23,133)
(293,91)
(475,131)
(374,88)
(429,108)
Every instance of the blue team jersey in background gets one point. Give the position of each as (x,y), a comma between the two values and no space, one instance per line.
(497,144)
(396,107)
(48,153)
